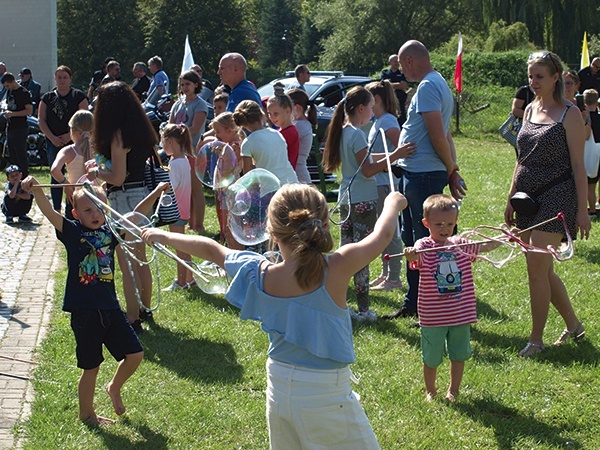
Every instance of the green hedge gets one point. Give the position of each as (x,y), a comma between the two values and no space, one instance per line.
(507,69)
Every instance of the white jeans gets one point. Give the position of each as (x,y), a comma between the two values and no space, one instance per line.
(315,409)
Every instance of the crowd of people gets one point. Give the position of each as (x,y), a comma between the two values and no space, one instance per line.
(301,300)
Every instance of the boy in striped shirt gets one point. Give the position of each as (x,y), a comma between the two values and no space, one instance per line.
(446,298)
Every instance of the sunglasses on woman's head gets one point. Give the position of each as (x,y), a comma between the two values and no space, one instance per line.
(543,55)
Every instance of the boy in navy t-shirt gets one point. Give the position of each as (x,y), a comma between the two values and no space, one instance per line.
(90,297)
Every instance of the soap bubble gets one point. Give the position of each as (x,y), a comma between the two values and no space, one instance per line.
(247,200)
(130,223)
(211,278)
(216,165)
(165,200)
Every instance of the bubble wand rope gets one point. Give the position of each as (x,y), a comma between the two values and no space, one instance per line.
(381,132)
(342,197)
(509,237)
(158,246)
(129,254)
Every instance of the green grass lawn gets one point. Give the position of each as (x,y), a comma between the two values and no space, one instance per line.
(201,384)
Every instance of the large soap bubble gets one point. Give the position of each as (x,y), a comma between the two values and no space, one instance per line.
(216,165)
(247,200)
(211,278)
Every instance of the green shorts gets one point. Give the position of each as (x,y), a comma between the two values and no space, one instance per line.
(454,340)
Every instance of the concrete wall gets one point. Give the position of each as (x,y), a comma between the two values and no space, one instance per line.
(28,38)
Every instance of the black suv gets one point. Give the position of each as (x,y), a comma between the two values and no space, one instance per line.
(326,89)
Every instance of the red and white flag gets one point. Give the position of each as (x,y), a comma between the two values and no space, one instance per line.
(458,69)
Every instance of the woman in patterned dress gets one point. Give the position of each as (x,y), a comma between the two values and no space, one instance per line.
(549,146)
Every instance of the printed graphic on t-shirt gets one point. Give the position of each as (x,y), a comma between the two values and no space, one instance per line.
(447,275)
(59,107)
(96,266)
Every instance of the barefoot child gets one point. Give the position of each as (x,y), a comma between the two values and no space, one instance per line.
(301,303)
(90,297)
(446,302)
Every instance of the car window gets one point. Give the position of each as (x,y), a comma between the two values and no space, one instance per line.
(332,95)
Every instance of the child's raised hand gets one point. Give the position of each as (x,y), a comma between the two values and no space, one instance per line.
(28,182)
(163,186)
(410,253)
(397,199)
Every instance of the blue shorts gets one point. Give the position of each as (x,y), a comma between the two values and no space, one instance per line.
(454,340)
(93,327)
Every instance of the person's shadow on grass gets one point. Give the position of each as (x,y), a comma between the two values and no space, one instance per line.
(510,426)
(149,438)
(192,358)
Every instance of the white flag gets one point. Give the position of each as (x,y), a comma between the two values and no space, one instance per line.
(188,58)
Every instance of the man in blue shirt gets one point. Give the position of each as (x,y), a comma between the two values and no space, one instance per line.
(433,165)
(232,70)
(160,80)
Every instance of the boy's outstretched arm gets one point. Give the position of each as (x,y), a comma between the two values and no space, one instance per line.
(200,246)
(29,185)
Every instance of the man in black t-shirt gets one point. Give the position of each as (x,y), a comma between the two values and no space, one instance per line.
(141,82)
(18,107)
(113,73)
(97,78)
(590,76)
(398,80)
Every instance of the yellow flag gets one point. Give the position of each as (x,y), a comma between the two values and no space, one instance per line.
(585,54)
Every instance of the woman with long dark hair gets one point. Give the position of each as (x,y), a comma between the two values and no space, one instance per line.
(123,140)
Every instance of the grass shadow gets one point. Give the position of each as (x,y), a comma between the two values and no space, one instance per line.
(510,425)
(484,309)
(146,437)
(198,360)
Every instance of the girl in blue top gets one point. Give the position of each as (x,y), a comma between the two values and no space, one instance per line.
(346,147)
(301,303)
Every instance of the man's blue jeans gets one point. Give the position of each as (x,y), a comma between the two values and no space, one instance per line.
(417,186)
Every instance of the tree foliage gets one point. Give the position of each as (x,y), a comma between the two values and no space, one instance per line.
(213,27)
(279,31)
(507,37)
(89,31)
(364,32)
(327,34)
(555,25)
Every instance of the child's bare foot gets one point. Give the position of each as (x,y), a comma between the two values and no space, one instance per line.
(96,420)
(430,396)
(115,396)
(451,396)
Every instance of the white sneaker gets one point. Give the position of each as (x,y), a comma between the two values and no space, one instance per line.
(368,316)
(174,286)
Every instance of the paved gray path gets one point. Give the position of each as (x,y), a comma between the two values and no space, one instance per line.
(28,259)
